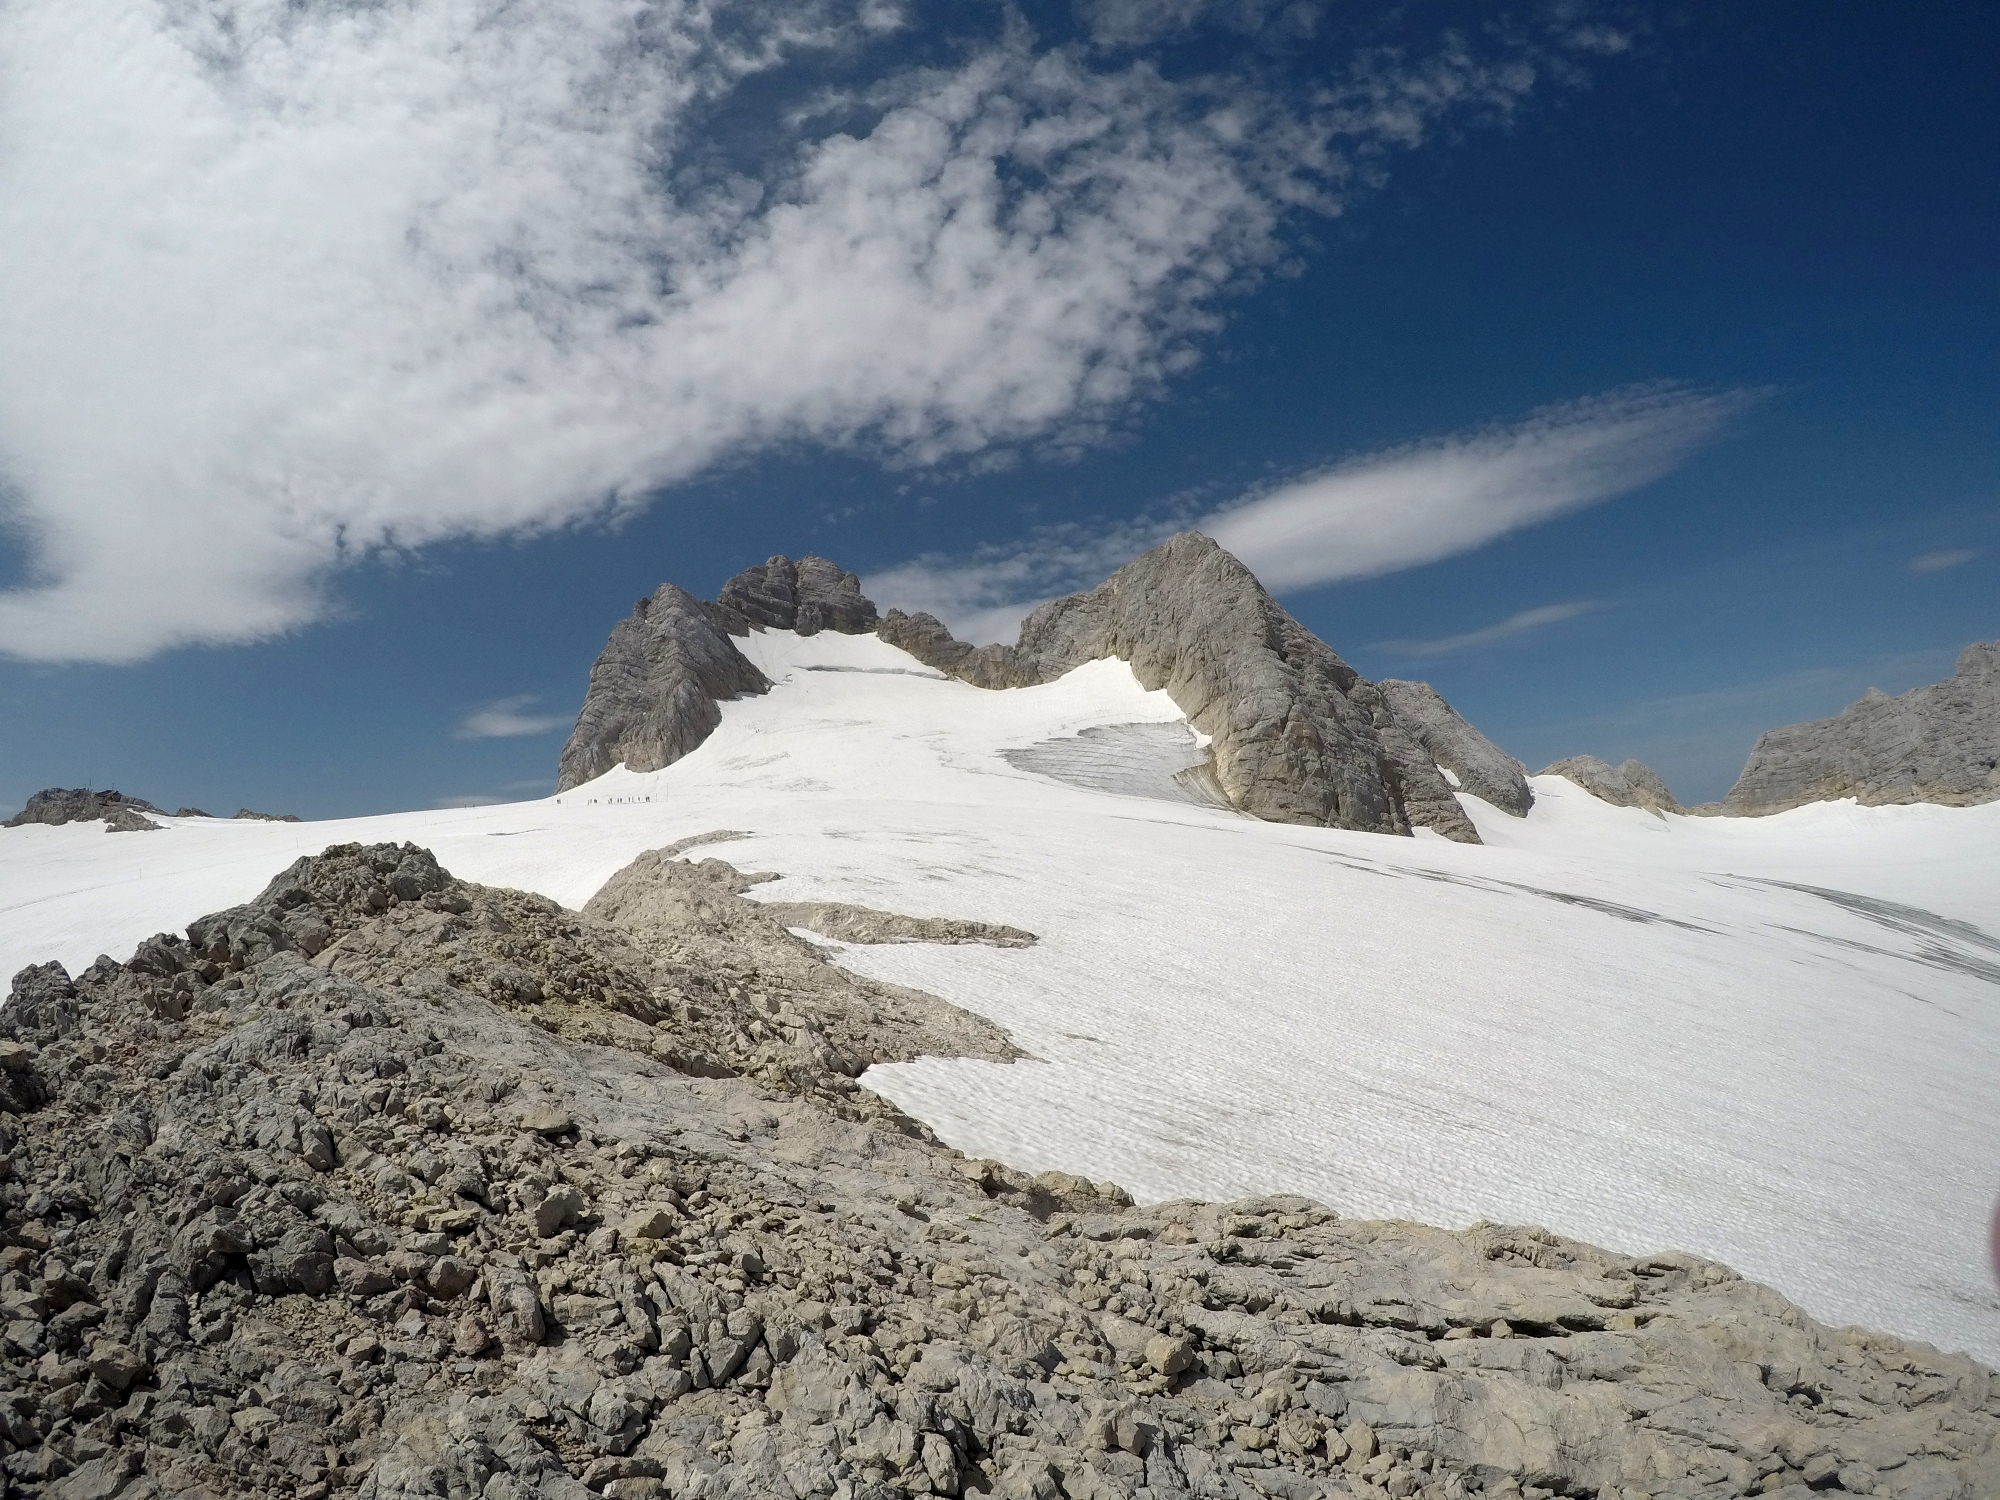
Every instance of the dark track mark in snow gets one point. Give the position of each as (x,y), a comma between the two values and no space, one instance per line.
(1162,762)
(881,671)
(1609,908)
(1940,941)
(1567,898)
(1911,920)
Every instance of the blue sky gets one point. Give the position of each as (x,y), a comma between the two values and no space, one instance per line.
(1643,385)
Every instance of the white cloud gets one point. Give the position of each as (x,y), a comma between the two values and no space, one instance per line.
(507,718)
(1523,623)
(1940,562)
(291,283)
(1366,516)
(1430,500)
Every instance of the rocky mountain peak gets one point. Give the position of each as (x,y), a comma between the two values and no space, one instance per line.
(1298,736)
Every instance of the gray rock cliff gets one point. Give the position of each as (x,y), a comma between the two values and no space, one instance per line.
(1932,744)
(653,691)
(1299,736)
(386,1185)
(1631,784)
(808,596)
(1483,769)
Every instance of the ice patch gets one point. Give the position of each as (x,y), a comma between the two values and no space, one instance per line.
(1160,761)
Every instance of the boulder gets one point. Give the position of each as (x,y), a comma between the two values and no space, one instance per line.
(1939,744)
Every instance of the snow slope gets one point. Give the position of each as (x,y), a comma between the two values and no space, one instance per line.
(1771,1041)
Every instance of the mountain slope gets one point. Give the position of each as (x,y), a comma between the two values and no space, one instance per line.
(1770,1042)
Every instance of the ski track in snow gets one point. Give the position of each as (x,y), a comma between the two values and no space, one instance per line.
(1773,1041)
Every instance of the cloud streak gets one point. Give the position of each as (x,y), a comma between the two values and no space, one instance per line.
(296,283)
(1366,516)
(1941,562)
(1524,623)
(507,718)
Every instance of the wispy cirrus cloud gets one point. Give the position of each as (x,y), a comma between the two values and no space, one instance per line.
(1942,561)
(295,283)
(1365,516)
(507,718)
(1526,622)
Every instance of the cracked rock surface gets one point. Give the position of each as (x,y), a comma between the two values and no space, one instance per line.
(1939,743)
(386,1184)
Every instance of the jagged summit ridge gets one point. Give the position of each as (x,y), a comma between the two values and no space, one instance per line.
(1298,736)
(1939,744)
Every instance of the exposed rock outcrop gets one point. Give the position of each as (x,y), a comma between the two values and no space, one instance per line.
(653,692)
(1483,769)
(128,819)
(1932,744)
(807,596)
(58,805)
(1631,784)
(388,1185)
(257,817)
(1299,736)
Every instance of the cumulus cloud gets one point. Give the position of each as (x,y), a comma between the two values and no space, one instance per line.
(507,718)
(295,283)
(1525,622)
(1365,516)
(1941,562)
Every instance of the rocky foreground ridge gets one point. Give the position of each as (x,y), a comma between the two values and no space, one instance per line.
(1298,736)
(386,1184)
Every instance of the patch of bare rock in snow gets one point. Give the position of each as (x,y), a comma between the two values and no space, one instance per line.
(386,1184)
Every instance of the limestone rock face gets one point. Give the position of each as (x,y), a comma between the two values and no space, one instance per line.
(807,596)
(483,1197)
(1483,769)
(653,691)
(1932,744)
(58,805)
(1299,736)
(1632,784)
(925,637)
(1292,742)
